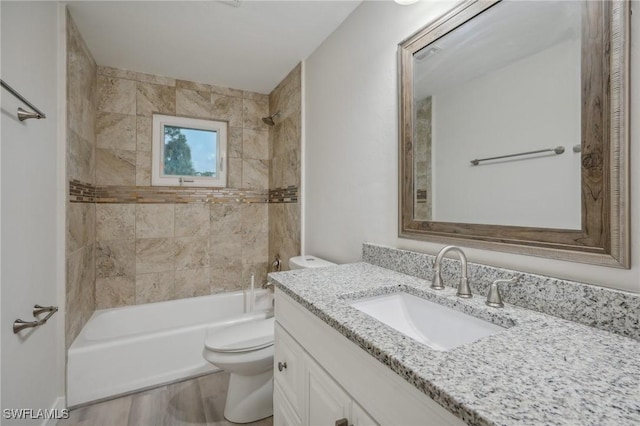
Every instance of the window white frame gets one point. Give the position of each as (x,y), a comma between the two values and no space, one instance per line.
(158,178)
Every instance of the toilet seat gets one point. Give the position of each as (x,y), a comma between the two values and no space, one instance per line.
(244,337)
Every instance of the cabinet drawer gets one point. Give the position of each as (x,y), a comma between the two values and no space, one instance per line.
(288,370)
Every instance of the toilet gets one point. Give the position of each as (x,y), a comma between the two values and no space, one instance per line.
(306,262)
(245,350)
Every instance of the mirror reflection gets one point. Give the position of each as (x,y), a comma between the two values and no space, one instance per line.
(514,129)
(507,82)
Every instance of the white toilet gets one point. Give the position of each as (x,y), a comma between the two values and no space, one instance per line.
(306,262)
(246,351)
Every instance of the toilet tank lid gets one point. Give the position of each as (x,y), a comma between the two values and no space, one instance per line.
(309,262)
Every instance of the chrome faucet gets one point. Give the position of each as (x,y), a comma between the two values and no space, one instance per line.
(463,286)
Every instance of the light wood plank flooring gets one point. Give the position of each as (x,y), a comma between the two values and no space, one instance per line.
(198,401)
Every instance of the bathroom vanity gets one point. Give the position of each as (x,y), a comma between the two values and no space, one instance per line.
(337,365)
(321,378)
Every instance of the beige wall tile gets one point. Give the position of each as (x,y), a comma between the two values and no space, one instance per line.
(192,220)
(80,272)
(136,76)
(113,292)
(154,220)
(284,232)
(225,250)
(80,158)
(234,142)
(192,85)
(143,168)
(192,283)
(225,219)
(115,167)
(115,221)
(292,169)
(154,79)
(190,103)
(191,253)
(154,98)
(143,134)
(116,131)
(115,258)
(234,175)
(255,174)
(116,72)
(81,108)
(81,220)
(277,177)
(259,270)
(226,108)
(255,247)
(155,255)
(226,91)
(73,325)
(255,144)
(256,96)
(226,279)
(255,218)
(116,95)
(252,113)
(286,97)
(155,287)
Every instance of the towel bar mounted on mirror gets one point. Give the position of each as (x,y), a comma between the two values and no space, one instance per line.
(19,325)
(558,150)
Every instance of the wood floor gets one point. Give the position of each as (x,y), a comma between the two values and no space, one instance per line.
(198,401)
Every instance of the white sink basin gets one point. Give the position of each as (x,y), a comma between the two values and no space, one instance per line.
(437,326)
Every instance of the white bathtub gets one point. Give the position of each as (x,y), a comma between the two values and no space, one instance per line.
(126,349)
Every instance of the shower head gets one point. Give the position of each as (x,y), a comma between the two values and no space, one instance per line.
(269,120)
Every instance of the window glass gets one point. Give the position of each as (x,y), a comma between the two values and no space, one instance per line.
(188,151)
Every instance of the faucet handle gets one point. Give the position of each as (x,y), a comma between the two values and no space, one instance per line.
(493,298)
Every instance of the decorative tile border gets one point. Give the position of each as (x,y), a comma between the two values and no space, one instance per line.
(284,195)
(612,310)
(81,192)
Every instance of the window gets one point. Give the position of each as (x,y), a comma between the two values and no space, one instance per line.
(188,151)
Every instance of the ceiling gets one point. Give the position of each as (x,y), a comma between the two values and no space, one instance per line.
(250,47)
(502,35)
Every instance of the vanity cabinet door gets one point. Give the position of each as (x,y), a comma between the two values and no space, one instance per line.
(327,402)
(283,413)
(359,417)
(288,369)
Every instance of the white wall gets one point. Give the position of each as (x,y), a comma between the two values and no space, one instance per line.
(478,119)
(351,154)
(32,364)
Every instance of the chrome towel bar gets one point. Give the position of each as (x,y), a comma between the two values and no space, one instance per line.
(557,150)
(19,325)
(23,114)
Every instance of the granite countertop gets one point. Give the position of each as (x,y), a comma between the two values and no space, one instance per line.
(540,370)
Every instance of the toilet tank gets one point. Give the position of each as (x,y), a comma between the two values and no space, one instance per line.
(307,262)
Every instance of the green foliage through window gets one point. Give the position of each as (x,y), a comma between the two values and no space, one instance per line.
(177,154)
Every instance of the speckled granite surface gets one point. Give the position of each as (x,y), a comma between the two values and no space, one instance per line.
(608,309)
(540,370)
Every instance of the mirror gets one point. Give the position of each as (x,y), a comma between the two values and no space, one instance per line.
(513,132)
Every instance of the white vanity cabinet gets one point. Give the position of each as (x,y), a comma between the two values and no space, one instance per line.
(321,378)
(305,394)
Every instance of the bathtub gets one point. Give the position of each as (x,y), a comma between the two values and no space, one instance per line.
(122,350)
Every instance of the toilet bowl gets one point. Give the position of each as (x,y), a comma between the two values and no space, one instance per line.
(246,351)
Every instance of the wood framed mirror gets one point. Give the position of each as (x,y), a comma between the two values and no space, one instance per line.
(513,130)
